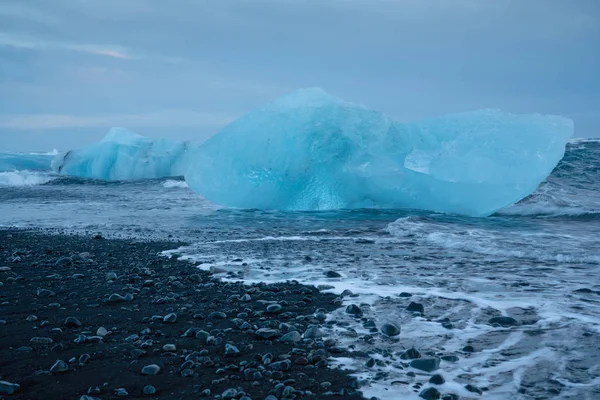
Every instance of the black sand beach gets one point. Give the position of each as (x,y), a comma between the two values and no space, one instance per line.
(82,316)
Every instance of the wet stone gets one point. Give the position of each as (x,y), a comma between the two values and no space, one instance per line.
(312,332)
(169,347)
(149,390)
(353,309)
(469,349)
(170,318)
(274,308)
(333,274)
(426,364)
(416,307)
(151,369)
(121,392)
(437,379)
(473,389)
(72,322)
(231,350)
(410,354)
(503,321)
(8,387)
(390,330)
(430,394)
(59,367)
(450,358)
(291,337)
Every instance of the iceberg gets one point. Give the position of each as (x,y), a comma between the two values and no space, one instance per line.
(124,155)
(312,151)
(10,162)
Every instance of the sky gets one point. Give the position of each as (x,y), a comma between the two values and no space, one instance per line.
(72,69)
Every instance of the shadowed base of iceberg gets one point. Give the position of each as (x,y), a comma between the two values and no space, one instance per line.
(312,151)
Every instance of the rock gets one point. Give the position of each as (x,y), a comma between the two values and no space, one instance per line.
(111,276)
(281,365)
(450,358)
(426,364)
(8,387)
(101,331)
(116,298)
(370,362)
(31,318)
(72,322)
(149,390)
(59,367)
(202,335)
(503,321)
(473,389)
(410,354)
(390,330)
(430,394)
(312,332)
(229,394)
(41,340)
(169,347)
(437,379)
(274,308)
(24,349)
(354,310)
(151,369)
(267,333)
(5,269)
(416,307)
(170,318)
(333,274)
(121,392)
(217,315)
(64,261)
(231,350)
(291,337)
(469,349)
(450,396)
(84,358)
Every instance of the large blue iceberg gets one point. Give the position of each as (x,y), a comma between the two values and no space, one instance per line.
(124,155)
(312,151)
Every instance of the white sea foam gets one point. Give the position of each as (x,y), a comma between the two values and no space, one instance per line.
(24,178)
(175,184)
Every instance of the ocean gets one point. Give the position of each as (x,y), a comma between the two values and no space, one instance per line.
(537,262)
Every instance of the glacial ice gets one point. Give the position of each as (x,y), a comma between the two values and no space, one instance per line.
(124,155)
(312,151)
(10,162)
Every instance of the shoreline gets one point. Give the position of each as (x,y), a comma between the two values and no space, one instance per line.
(108,308)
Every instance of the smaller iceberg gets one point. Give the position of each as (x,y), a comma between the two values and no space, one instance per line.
(124,155)
(10,162)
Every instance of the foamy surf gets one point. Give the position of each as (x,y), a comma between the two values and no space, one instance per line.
(25,178)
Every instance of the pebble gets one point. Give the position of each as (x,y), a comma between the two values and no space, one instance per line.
(333,274)
(84,358)
(59,367)
(151,369)
(111,276)
(149,390)
(450,358)
(217,315)
(5,269)
(354,310)
(31,318)
(8,387)
(101,331)
(503,321)
(116,298)
(274,308)
(121,392)
(267,333)
(469,349)
(291,337)
(410,354)
(416,307)
(473,389)
(170,318)
(169,347)
(430,394)
(229,394)
(437,379)
(426,364)
(231,350)
(72,322)
(390,330)
(24,349)
(312,332)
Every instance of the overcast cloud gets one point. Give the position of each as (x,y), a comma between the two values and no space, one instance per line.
(71,69)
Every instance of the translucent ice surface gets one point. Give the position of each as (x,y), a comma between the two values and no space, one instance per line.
(312,151)
(124,155)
